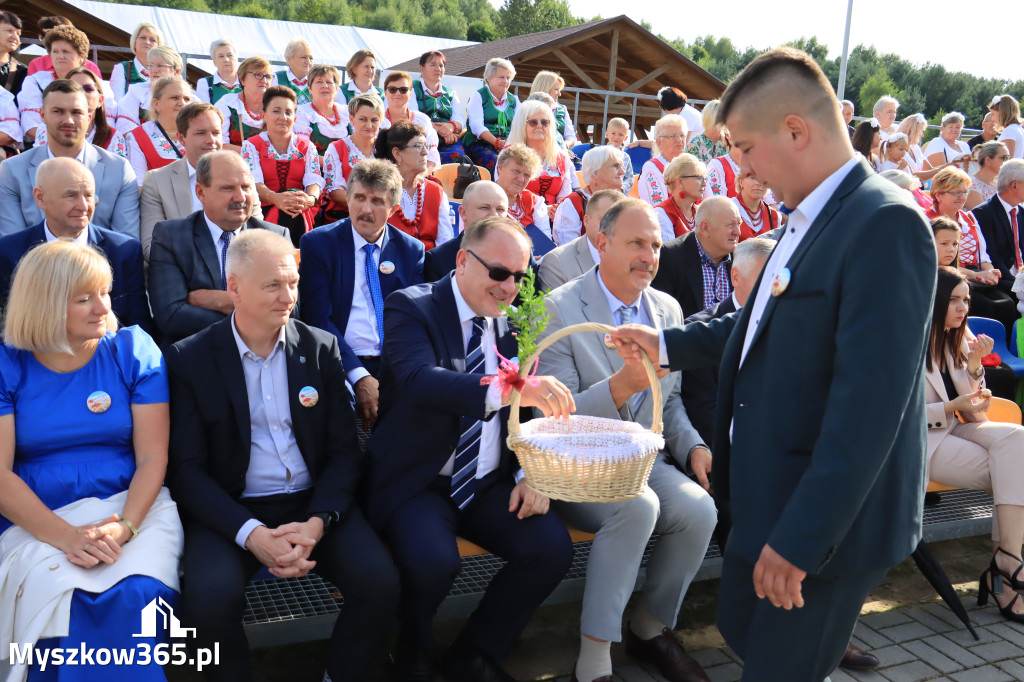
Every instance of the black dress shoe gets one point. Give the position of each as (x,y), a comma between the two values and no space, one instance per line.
(666,654)
(463,665)
(856,658)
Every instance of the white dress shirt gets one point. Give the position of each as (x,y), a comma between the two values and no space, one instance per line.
(215,233)
(196,204)
(82,238)
(361,332)
(1020,225)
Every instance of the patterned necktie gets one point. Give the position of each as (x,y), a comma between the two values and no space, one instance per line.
(626,315)
(468,451)
(225,242)
(1016,238)
(373,282)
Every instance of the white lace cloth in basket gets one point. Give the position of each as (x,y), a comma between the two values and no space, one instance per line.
(583,437)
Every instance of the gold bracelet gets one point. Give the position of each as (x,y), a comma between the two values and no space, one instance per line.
(131,526)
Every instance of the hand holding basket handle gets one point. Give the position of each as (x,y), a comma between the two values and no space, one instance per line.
(633,340)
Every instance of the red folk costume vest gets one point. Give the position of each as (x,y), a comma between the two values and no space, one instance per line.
(341,149)
(769,221)
(428,204)
(730,176)
(548,186)
(679,225)
(280,175)
(153,159)
(579,202)
(523,208)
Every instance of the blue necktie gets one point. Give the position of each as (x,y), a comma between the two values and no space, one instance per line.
(373,282)
(626,314)
(225,242)
(468,451)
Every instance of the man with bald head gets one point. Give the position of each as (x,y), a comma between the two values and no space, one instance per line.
(482,199)
(571,260)
(187,280)
(65,193)
(695,268)
(820,431)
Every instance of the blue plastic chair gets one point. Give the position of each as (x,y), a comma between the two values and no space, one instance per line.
(997,332)
(579,150)
(638,156)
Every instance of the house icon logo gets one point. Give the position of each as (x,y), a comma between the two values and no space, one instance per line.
(159,610)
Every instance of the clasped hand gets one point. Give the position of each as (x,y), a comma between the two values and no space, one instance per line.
(285,550)
(292,202)
(92,544)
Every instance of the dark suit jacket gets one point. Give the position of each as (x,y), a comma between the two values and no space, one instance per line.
(210,441)
(995,225)
(327,281)
(699,388)
(827,455)
(128,290)
(440,260)
(679,273)
(424,392)
(183,258)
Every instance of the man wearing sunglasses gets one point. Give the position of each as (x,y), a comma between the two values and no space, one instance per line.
(1000,219)
(438,464)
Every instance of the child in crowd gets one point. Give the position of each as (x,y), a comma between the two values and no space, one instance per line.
(893,152)
(617,132)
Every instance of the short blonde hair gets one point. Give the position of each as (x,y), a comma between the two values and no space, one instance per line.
(708,115)
(248,243)
(914,127)
(496,63)
(146,26)
(45,281)
(321,70)
(618,123)
(156,91)
(664,122)
(948,179)
(251,64)
(545,81)
(293,46)
(366,99)
(684,164)
(521,154)
(168,53)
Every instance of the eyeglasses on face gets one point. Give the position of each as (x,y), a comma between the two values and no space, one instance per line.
(395,90)
(263,77)
(499,274)
(701,179)
(421,147)
(672,138)
(533,122)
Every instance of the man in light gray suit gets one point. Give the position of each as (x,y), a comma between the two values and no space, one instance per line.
(677,508)
(571,260)
(66,116)
(169,193)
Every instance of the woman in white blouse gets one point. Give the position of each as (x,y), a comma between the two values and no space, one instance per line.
(398,93)
(669,142)
(154,144)
(552,84)
(1007,110)
(225,80)
(322,121)
(145,37)
(490,111)
(132,109)
(602,168)
(441,104)
(885,113)
(947,148)
(365,113)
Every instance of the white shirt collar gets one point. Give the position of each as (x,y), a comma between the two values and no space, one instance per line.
(215,231)
(735,302)
(594,253)
(1008,207)
(140,67)
(813,203)
(191,169)
(217,79)
(80,156)
(292,77)
(613,301)
(82,238)
(466,313)
(243,349)
(359,242)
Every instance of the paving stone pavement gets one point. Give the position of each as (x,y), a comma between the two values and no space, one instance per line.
(913,644)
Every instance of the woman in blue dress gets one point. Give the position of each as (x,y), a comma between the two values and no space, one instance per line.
(90,535)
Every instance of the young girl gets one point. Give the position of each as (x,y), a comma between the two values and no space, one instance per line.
(947,240)
(894,151)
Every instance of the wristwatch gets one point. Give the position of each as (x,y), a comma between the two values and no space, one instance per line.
(329,519)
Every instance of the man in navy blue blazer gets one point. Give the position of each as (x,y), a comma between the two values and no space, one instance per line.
(65,192)
(350,267)
(996,218)
(481,199)
(439,466)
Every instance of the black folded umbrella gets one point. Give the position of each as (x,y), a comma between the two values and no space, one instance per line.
(932,570)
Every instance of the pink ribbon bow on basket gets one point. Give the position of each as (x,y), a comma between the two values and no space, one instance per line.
(508,376)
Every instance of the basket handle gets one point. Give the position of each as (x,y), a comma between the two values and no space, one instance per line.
(657,426)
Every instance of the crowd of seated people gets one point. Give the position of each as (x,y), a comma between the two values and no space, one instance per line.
(271,250)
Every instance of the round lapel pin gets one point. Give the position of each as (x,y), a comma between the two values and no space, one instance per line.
(781,282)
(387,267)
(98,402)
(308,396)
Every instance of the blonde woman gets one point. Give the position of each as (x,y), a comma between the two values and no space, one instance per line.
(322,121)
(517,165)
(145,37)
(685,178)
(711,143)
(298,55)
(552,84)
(1007,111)
(132,110)
(669,142)
(87,525)
(947,148)
(154,144)
(913,127)
(534,126)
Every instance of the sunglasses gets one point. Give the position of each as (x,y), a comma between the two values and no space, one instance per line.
(533,123)
(395,90)
(499,274)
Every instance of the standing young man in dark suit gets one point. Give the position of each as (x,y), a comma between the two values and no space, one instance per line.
(439,466)
(264,463)
(820,433)
(350,267)
(187,277)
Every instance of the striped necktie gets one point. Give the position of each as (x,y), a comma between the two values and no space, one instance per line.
(468,451)
(225,242)
(626,315)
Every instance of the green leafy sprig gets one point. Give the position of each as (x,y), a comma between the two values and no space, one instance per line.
(530,317)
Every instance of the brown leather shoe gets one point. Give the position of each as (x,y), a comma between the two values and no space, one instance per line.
(603,678)
(667,655)
(856,658)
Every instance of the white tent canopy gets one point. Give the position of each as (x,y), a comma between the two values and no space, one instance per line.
(191,33)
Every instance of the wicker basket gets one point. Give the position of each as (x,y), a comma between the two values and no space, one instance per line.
(542,445)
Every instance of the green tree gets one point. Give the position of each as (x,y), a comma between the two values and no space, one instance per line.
(482,31)
(877,85)
(519,17)
(250,8)
(447,23)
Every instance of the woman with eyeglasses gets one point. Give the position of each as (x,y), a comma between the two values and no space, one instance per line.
(284,166)
(365,114)
(224,81)
(361,69)
(441,104)
(517,164)
(602,168)
(154,144)
(243,111)
(133,109)
(145,37)
(322,121)
(423,211)
(947,148)
(398,93)
(669,142)
(1007,111)
(101,128)
(489,112)
(685,178)
(991,157)
(534,126)
(950,188)
(867,140)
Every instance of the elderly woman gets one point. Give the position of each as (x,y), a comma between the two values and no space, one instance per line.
(534,126)
(298,55)
(322,121)
(885,114)
(90,536)
(365,112)
(950,188)
(67,48)
(12,72)
(154,144)
(947,147)
(423,211)
(397,91)
(361,69)
(490,111)
(101,128)
(685,178)
(758,217)
(225,81)
(910,183)
(441,104)
(243,111)
(1007,111)
(867,141)
(145,37)
(669,142)
(552,84)
(991,156)
(132,109)
(517,165)
(711,143)
(602,169)
(285,167)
